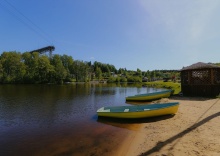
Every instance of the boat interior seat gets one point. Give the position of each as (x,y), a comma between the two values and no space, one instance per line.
(126,110)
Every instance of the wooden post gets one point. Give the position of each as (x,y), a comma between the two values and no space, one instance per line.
(212,76)
(189,76)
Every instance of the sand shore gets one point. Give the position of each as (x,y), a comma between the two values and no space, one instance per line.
(193,131)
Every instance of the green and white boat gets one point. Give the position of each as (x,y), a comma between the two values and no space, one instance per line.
(149,96)
(139,111)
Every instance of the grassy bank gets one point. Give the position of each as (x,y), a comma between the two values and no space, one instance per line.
(169,85)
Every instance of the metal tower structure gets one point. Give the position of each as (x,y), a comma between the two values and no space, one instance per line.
(44,50)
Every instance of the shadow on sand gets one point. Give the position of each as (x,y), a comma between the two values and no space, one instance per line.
(131,124)
(160,145)
(177,97)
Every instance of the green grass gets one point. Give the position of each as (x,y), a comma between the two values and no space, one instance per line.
(169,85)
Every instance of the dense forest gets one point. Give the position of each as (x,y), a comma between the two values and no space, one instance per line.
(16,67)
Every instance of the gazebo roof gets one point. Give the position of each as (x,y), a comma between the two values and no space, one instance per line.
(200,65)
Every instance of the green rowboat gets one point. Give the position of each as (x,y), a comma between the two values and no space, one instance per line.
(139,111)
(149,96)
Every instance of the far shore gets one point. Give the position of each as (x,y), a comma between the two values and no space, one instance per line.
(193,131)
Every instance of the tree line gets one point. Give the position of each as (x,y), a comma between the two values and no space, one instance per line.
(16,67)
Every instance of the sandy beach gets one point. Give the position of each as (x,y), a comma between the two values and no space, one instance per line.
(193,131)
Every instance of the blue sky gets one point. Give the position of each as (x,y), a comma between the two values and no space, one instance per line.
(131,34)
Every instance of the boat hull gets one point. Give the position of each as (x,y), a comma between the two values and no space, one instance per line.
(149,97)
(141,111)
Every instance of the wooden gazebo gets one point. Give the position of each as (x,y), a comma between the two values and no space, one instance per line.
(200,79)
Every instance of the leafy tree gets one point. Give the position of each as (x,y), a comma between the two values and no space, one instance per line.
(111,79)
(134,79)
(60,72)
(81,71)
(12,68)
(31,62)
(105,68)
(68,63)
(1,71)
(98,73)
(90,70)
(153,75)
(123,79)
(139,73)
(45,69)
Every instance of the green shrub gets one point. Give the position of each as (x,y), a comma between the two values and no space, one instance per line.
(123,79)
(134,79)
(111,79)
(176,87)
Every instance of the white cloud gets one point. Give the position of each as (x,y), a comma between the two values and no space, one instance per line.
(92,58)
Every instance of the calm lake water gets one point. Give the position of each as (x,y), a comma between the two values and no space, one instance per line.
(62,119)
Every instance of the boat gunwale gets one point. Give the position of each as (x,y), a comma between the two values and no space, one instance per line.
(150,109)
(150,94)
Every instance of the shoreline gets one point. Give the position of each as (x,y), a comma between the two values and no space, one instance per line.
(194,130)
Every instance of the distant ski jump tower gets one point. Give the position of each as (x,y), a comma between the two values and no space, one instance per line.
(44,50)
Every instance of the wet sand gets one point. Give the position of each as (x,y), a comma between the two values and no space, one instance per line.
(193,131)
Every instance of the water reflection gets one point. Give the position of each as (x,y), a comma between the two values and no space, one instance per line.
(59,119)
